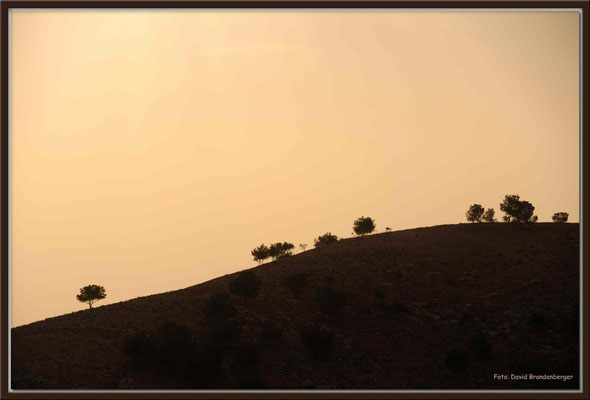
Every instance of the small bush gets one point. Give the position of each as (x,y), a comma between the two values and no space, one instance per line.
(246,284)
(363,226)
(480,347)
(218,306)
(560,217)
(317,340)
(325,240)
(330,301)
(296,283)
(457,360)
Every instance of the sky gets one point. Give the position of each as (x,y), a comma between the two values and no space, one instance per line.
(153,150)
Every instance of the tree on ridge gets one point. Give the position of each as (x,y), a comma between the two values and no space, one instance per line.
(91,294)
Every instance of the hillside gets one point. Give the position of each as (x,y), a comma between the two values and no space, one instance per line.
(443,307)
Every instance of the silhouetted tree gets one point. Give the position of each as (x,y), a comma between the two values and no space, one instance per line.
(246,284)
(364,225)
(325,239)
(488,216)
(387,229)
(517,210)
(280,250)
(91,294)
(260,253)
(286,247)
(474,213)
(302,246)
(560,217)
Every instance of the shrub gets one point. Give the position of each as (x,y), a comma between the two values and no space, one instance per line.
(280,250)
(325,239)
(488,216)
(330,301)
(517,210)
(474,213)
(302,246)
(296,283)
(218,306)
(260,253)
(480,347)
(246,284)
(457,360)
(318,340)
(363,225)
(560,217)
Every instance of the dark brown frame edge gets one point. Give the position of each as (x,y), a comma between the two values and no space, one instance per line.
(335,4)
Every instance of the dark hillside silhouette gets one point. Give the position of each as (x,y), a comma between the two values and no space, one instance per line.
(443,307)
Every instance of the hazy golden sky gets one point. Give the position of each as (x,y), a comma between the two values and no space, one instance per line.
(153,150)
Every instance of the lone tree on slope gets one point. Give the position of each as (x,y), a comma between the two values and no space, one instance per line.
(260,253)
(560,217)
(474,213)
(325,240)
(364,225)
(517,210)
(91,294)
